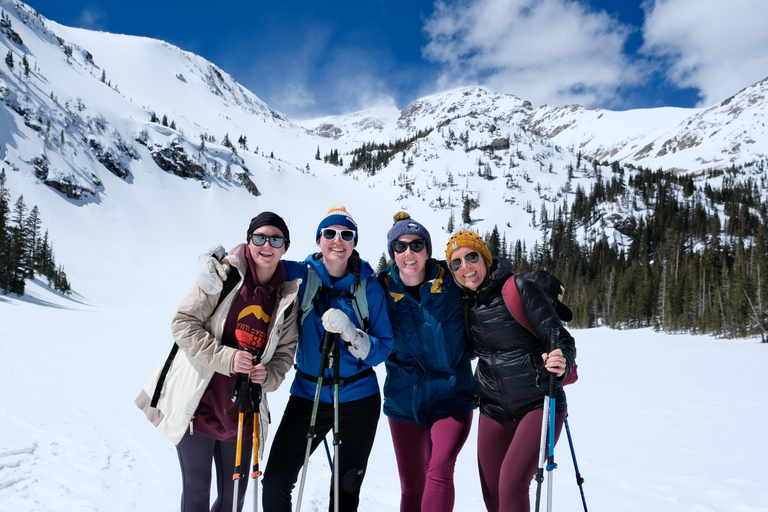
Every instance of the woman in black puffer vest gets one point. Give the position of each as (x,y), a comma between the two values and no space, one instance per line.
(513,370)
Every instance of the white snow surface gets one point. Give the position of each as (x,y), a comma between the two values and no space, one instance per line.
(659,422)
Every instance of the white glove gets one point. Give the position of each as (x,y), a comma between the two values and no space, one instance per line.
(356,341)
(210,274)
(359,345)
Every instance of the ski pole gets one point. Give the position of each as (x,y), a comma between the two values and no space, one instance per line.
(543,445)
(256,399)
(579,478)
(336,441)
(554,334)
(243,396)
(313,419)
(328,454)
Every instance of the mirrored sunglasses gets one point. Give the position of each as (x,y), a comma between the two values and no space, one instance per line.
(329,234)
(470,257)
(417,245)
(275,241)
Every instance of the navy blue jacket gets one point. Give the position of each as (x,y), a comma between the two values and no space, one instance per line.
(428,372)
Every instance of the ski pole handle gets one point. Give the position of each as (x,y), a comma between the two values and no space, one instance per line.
(554,336)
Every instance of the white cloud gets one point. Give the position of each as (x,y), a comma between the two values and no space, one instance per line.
(545,51)
(717,47)
(90,19)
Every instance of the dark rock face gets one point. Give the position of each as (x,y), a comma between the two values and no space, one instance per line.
(174,159)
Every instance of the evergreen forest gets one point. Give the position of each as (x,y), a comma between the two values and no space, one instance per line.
(690,253)
(25,252)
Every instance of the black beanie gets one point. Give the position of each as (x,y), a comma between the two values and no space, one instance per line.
(269,219)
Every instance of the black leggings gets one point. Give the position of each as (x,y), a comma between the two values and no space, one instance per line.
(195,455)
(357,428)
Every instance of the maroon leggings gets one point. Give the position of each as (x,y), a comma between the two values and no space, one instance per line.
(426,458)
(508,457)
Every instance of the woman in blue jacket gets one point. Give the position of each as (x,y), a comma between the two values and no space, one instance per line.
(428,394)
(342,273)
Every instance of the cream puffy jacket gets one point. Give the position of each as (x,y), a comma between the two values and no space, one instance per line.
(197,329)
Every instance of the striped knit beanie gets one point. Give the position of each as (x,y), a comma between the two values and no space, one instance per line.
(337,216)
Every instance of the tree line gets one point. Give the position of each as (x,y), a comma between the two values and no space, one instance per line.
(696,261)
(24,251)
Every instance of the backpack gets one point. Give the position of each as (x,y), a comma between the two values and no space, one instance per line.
(315,291)
(515,306)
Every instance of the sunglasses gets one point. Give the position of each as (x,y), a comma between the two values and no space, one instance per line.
(417,245)
(329,234)
(275,241)
(470,257)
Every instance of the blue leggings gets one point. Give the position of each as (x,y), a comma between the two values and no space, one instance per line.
(195,455)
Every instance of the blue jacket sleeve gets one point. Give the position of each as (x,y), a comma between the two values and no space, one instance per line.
(380,330)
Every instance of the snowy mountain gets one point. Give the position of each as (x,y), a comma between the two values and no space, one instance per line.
(130,203)
(731,132)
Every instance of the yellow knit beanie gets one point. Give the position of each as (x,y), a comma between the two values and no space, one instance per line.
(469,239)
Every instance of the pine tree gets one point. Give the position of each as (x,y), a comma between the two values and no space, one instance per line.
(383,263)
(451,223)
(17,248)
(32,231)
(494,242)
(466,218)
(9,60)
(4,234)
(25,65)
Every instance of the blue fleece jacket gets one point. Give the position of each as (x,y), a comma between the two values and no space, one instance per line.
(312,331)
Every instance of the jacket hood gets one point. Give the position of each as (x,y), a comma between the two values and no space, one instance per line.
(501,270)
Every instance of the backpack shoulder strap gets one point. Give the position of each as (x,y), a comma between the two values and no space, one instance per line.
(311,289)
(232,279)
(515,306)
(314,287)
(360,305)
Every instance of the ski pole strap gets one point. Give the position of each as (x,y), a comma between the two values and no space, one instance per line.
(342,382)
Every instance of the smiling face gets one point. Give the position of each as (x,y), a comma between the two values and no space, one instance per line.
(336,252)
(411,265)
(469,275)
(265,257)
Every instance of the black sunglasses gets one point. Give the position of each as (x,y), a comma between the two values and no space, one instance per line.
(470,257)
(275,241)
(417,245)
(346,234)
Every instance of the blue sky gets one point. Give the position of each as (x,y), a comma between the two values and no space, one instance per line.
(315,58)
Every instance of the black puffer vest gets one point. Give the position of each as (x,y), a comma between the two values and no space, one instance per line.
(510,379)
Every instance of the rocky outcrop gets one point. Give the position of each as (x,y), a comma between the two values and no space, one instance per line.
(174,159)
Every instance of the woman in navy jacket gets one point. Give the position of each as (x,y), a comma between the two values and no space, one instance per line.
(428,394)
